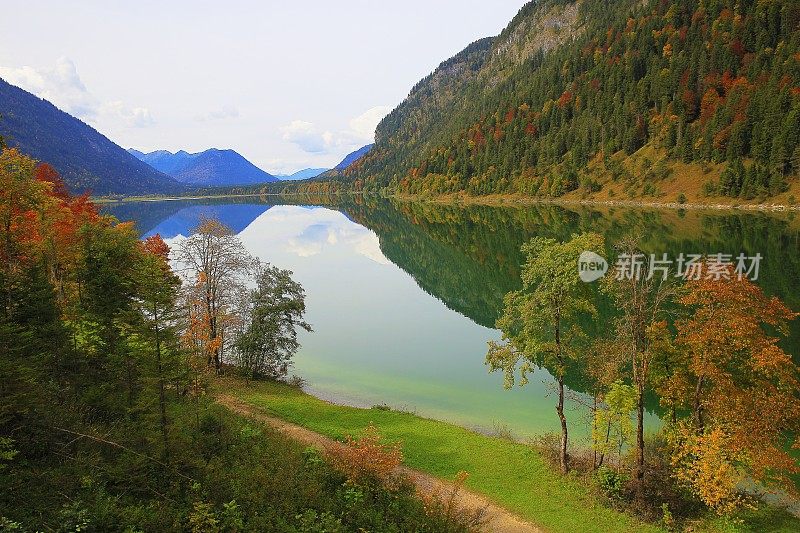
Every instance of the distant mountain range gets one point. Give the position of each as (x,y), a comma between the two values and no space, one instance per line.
(323,173)
(351,158)
(210,168)
(87,160)
(302,174)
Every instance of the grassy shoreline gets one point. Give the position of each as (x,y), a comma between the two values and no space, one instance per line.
(512,474)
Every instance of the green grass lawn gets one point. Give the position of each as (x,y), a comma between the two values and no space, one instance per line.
(511,474)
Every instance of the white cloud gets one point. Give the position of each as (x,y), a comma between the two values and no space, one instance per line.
(314,140)
(364,124)
(137,117)
(62,86)
(225,112)
(309,232)
(306,135)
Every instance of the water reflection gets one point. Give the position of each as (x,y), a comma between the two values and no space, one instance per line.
(379,338)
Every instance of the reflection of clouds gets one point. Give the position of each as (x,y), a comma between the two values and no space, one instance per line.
(308,232)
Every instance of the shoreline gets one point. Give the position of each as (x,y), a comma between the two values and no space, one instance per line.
(513,200)
(503,200)
(540,494)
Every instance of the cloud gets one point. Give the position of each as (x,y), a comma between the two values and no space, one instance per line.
(62,86)
(137,117)
(225,112)
(307,136)
(364,124)
(361,130)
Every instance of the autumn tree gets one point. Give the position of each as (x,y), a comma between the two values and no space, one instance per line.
(215,263)
(540,322)
(641,300)
(273,312)
(740,386)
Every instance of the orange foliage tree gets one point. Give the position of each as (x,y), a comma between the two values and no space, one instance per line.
(741,387)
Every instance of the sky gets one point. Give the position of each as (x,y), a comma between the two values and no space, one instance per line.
(288,84)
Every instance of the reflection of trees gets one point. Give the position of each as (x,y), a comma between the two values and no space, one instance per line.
(468,256)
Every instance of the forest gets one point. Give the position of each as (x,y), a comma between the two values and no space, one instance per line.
(563,97)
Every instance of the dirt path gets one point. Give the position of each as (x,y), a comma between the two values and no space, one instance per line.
(498,519)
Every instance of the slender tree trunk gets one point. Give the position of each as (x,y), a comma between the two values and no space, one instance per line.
(560,405)
(560,410)
(608,437)
(161,396)
(213,357)
(640,434)
(594,432)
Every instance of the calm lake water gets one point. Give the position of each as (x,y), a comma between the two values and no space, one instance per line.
(403,296)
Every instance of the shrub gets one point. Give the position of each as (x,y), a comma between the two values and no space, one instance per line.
(682,198)
(312,522)
(709,188)
(366,458)
(611,482)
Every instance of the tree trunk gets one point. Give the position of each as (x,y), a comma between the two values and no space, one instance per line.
(594,432)
(161,396)
(560,410)
(640,434)
(560,405)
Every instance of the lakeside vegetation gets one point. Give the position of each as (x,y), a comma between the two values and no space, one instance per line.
(517,475)
(106,395)
(105,361)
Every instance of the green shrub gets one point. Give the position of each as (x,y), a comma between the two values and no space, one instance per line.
(611,482)
(709,188)
(682,198)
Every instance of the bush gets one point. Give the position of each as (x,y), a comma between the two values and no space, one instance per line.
(710,188)
(649,189)
(682,198)
(366,458)
(611,482)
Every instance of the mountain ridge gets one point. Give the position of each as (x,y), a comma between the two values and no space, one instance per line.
(213,167)
(87,160)
(587,98)
(302,174)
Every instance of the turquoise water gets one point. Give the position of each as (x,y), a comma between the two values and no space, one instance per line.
(403,297)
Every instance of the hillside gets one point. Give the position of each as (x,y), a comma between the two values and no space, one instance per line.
(563,98)
(87,160)
(210,168)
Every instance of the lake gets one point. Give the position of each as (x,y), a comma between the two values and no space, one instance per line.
(403,296)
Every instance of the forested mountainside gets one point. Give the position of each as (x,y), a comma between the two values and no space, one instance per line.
(86,159)
(209,168)
(569,91)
